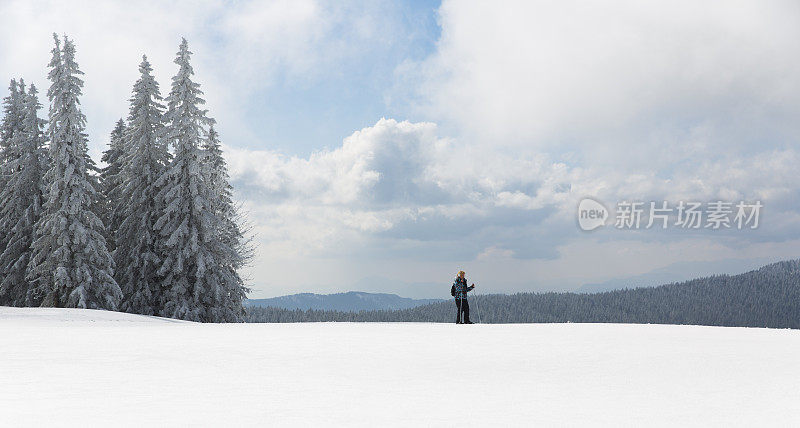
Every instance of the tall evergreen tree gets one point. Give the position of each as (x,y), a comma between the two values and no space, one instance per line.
(110,180)
(13,115)
(70,266)
(21,202)
(192,260)
(230,246)
(11,124)
(143,163)
(11,129)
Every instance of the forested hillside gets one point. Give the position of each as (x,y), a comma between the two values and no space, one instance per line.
(766,297)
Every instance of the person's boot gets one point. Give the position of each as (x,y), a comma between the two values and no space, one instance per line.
(468,322)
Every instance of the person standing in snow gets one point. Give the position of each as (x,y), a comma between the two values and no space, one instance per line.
(459,290)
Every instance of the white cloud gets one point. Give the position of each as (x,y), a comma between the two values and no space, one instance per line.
(620,82)
(399,191)
(299,38)
(390,176)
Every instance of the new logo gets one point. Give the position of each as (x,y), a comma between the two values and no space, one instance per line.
(591,214)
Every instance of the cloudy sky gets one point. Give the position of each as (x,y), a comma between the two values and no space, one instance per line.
(381,146)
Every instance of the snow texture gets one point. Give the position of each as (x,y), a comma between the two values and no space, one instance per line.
(72,367)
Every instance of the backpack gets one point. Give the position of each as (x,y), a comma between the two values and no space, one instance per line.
(453,290)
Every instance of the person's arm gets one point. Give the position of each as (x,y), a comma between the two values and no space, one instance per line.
(470,287)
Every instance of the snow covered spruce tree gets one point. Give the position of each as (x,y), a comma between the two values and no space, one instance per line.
(110,181)
(13,115)
(10,128)
(195,253)
(21,201)
(215,170)
(71,266)
(232,248)
(143,163)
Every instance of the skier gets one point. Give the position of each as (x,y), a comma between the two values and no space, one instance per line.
(459,290)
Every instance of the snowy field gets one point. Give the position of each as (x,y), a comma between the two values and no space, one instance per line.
(77,367)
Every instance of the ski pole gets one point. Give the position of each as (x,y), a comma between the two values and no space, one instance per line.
(476,309)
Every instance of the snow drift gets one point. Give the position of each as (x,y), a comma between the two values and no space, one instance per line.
(83,367)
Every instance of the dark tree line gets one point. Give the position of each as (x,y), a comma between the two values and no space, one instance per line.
(766,297)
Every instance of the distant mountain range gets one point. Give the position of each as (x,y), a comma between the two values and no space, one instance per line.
(352,301)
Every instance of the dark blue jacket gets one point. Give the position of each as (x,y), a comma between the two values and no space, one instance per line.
(460,286)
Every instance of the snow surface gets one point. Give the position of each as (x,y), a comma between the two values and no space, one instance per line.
(84,367)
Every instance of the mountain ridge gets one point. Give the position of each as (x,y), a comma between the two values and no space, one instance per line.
(350,301)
